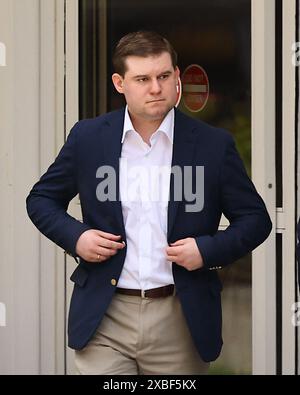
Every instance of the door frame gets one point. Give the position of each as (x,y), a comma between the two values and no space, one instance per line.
(265,354)
(264,178)
(274,336)
(289,209)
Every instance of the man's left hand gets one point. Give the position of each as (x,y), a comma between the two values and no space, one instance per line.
(185,253)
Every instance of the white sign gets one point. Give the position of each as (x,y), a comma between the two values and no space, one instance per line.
(2,55)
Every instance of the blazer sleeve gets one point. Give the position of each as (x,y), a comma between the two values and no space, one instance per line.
(48,201)
(249,221)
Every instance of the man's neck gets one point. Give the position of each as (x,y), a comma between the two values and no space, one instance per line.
(145,128)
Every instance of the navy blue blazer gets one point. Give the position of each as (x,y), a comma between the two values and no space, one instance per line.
(227,189)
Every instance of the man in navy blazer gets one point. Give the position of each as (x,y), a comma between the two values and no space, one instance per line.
(117,323)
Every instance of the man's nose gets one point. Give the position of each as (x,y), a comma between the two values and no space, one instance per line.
(155,86)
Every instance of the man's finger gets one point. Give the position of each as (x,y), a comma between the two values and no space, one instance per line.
(96,258)
(107,252)
(178,242)
(110,244)
(103,258)
(172,258)
(174,250)
(108,236)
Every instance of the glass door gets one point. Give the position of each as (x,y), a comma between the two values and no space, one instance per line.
(215,36)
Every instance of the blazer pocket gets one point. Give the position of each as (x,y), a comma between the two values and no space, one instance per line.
(79,276)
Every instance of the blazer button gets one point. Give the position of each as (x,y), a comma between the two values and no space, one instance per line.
(113,282)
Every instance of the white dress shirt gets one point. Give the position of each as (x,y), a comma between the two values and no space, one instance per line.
(144,190)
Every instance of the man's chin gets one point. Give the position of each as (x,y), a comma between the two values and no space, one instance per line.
(157,114)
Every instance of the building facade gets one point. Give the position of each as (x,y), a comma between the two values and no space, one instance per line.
(55,67)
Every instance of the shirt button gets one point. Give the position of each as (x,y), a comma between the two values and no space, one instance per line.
(113,281)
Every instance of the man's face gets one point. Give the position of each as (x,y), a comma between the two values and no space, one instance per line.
(149,86)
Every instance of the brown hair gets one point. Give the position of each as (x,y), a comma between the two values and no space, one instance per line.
(143,44)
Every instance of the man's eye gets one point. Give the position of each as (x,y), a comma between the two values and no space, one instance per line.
(142,79)
(164,76)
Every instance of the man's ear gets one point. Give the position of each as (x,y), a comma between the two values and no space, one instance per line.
(117,80)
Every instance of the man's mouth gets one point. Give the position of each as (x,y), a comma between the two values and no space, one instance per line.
(155,101)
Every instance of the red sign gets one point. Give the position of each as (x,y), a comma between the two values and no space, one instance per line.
(195,88)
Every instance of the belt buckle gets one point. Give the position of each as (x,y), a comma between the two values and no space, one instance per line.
(143,294)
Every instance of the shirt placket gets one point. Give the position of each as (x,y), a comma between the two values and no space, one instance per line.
(145,230)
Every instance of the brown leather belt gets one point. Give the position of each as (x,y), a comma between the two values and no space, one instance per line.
(160,292)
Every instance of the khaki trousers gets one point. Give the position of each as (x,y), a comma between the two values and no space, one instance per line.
(141,336)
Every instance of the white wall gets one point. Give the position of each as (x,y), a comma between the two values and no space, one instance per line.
(29,130)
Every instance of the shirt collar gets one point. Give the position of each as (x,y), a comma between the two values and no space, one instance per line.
(167,125)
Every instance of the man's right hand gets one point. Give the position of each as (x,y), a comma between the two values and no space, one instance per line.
(97,246)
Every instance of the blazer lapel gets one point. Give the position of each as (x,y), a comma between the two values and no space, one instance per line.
(112,135)
(183,155)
